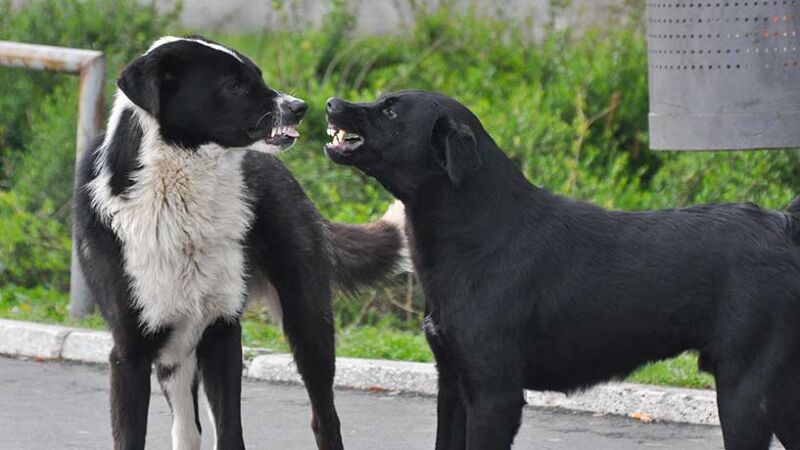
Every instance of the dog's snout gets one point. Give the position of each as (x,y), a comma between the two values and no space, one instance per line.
(297,106)
(333,105)
(292,108)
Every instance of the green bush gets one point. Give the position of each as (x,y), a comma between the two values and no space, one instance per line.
(121,29)
(35,247)
(570,109)
(38,118)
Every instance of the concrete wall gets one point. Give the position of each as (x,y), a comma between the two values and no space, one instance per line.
(374,16)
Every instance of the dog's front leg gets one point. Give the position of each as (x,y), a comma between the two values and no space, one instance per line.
(493,418)
(179,384)
(451,424)
(493,392)
(220,357)
(130,397)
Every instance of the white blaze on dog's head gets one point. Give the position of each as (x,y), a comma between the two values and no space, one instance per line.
(197,92)
(170,39)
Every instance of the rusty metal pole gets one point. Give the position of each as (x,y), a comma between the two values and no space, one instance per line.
(90,66)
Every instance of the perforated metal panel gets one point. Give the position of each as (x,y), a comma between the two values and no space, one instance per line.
(724,74)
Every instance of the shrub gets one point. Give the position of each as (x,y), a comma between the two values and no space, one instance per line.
(35,247)
(38,117)
(121,29)
(570,110)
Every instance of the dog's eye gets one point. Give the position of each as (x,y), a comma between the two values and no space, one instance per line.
(389,112)
(234,86)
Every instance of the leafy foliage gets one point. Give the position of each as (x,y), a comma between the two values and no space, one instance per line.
(570,109)
(35,247)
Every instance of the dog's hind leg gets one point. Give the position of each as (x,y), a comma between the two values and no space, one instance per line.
(179,383)
(308,324)
(220,358)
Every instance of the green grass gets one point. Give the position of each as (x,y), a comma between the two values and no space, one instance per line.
(380,341)
(41,304)
(681,371)
(372,342)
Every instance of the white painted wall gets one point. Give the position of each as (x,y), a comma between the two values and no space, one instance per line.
(374,16)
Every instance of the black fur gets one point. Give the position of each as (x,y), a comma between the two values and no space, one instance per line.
(124,161)
(526,289)
(200,95)
(358,259)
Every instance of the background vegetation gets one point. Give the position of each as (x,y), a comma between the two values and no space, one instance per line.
(570,109)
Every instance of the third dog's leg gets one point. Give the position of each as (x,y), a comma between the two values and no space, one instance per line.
(493,417)
(179,383)
(308,323)
(220,357)
(493,392)
(451,429)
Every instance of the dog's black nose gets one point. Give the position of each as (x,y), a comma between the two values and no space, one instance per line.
(333,105)
(297,106)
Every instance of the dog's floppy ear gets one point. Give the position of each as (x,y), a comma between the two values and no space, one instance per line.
(141,81)
(455,148)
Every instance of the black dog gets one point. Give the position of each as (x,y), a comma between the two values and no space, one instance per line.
(526,289)
(181,215)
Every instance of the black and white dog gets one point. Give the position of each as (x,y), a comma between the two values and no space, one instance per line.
(182,214)
(526,289)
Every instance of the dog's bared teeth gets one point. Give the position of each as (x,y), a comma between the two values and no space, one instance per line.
(331,131)
(291,131)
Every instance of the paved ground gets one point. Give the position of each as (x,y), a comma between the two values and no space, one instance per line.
(58,405)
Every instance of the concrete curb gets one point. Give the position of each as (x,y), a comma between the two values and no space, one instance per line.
(25,339)
(32,339)
(354,373)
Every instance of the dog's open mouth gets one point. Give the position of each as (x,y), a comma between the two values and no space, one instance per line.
(283,136)
(343,142)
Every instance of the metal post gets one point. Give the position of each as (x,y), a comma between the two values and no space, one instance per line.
(90,66)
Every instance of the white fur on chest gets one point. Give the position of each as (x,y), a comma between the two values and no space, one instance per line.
(181,225)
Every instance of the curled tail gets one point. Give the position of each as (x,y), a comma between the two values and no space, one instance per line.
(364,254)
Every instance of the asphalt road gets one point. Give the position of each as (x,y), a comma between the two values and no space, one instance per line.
(44,406)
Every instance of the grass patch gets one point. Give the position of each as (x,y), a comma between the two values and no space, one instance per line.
(380,341)
(371,342)
(681,371)
(42,304)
